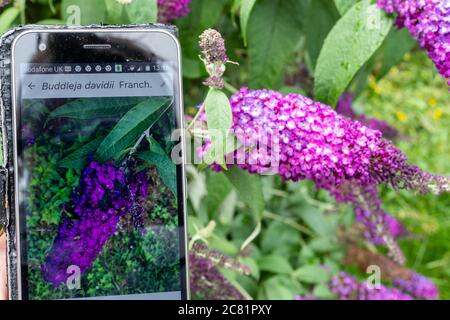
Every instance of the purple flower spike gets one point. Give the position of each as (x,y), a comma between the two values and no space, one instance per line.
(297,138)
(346,287)
(105,194)
(418,286)
(169,10)
(428,22)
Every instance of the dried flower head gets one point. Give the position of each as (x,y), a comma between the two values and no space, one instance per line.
(214,55)
(206,281)
(4,3)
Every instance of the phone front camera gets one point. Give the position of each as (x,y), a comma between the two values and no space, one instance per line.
(42,47)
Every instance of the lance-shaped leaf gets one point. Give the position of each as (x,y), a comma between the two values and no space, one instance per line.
(219,118)
(142,11)
(79,157)
(246,10)
(132,125)
(89,108)
(249,188)
(351,42)
(163,164)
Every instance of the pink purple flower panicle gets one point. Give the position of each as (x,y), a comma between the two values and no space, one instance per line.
(169,10)
(418,286)
(371,215)
(297,138)
(310,140)
(105,194)
(346,287)
(428,21)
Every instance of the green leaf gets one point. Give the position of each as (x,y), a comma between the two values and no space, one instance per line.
(223,245)
(344,5)
(8,17)
(196,186)
(246,10)
(316,220)
(275,264)
(115,12)
(132,125)
(273,33)
(50,21)
(249,189)
(252,264)
(142,11)
(218,111)
(312,274)
(89,108)
(321,18)
(278,236)
(78,158)
(322,291)
(397,44)
(90,11)
(218,189)
(351,42)
(219,119)
(323,244)
(165,166)
(278,288)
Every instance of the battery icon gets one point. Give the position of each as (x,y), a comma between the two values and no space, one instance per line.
(118,68)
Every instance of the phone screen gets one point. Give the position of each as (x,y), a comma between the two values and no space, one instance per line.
(99,193)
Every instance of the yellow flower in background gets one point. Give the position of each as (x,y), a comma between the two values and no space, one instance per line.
(401,116)
(430,227)
(432,102)
(374,85)
(437,114)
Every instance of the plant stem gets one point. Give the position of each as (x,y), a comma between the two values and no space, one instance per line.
(230,88)
(199,112)
(252,236)
(21,5)
(289,222)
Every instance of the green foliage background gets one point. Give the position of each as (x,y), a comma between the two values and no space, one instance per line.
(318,48)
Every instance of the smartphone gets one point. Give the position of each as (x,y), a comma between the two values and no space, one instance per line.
(98,155)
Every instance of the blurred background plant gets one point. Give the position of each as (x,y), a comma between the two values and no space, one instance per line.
(261,237)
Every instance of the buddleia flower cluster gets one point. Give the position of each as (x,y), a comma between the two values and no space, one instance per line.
(428,22)
(346,287)
(170,10)
(418,286)
(206,281)
(104,195)
(345,108)
(380,226)
(298,138)
(314,142)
